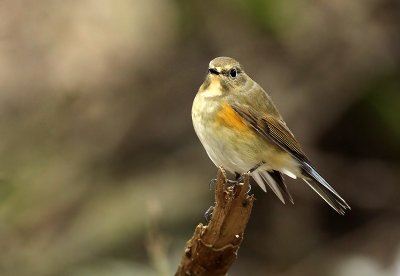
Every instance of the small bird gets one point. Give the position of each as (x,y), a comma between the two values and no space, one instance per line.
(243,132)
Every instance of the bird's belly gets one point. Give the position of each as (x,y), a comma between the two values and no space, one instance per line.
(230,150)
(239,150)
(234,145)
(235,149)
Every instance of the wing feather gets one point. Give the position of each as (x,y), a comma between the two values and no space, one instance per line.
(275,130)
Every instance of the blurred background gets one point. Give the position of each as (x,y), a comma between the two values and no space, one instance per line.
(101,172)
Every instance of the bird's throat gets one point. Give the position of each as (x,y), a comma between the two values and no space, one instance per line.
(212,87)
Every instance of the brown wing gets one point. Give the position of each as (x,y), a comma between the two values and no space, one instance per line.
(274,130)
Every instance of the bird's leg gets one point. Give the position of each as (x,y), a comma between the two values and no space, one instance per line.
(252,170)
(239,177)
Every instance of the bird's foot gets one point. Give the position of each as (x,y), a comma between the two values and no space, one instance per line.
(238,179)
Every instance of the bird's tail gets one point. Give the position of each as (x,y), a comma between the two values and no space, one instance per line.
(274,179)
(321,187)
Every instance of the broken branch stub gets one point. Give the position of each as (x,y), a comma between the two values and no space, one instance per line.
(213,248)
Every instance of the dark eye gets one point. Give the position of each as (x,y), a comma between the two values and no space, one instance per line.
(233,73)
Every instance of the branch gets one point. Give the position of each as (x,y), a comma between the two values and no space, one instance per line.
(213,247)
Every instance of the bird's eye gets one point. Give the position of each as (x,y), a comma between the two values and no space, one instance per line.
(233,73)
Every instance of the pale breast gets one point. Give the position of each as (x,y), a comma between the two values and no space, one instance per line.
(230,143)
(226,145)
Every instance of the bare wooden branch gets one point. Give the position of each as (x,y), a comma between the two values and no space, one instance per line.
(213,248)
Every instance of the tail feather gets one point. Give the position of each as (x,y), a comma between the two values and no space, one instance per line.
(257,178)
(275,181)
(278,177)
(321,187)
(272,184)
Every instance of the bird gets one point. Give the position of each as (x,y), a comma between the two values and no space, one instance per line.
(242,131)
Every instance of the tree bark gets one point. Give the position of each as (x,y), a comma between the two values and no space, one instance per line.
(213,248)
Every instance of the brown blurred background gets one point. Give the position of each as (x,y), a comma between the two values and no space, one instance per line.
(101,172)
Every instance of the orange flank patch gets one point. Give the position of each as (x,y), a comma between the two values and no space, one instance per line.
(228,117)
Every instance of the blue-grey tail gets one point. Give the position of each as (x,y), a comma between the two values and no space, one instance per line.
(321,187)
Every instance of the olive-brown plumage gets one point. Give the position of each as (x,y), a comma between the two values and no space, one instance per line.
(242,131)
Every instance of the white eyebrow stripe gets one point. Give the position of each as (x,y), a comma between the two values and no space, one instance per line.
(218,68)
